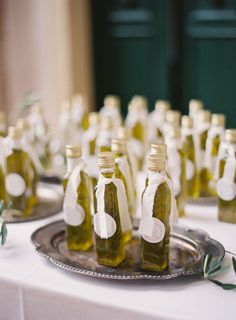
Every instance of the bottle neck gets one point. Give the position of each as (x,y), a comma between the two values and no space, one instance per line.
(17,144)
(107,172)
(72,163)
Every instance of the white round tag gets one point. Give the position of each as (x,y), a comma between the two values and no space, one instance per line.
(158,230)
(110,224)
(226,190)
(15,184)
(189,169)
(74,215)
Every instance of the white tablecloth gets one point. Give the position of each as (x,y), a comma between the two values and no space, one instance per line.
(31,288)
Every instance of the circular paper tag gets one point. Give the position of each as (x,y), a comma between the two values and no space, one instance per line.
(226,190)
(158,230)
(15,184)
(109,225)
(74,215)
(189,169)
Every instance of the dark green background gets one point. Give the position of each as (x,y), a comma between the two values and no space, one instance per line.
(167,49)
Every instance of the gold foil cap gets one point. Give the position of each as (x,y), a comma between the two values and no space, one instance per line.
(218,120)
(112,100)
(195,105)
(106,123)
(230,135)
(186,122)
(155,163)
(204,116)
(15,133)
(118,146)
(162,105)
(173,116)
(174,132)
(73,151)
(124,133)
(22,124)
(159,149)
(106,160)
(140,101)
(93,118)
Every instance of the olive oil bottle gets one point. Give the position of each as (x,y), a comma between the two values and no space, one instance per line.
(35,164)
(77,202)
(176,164)
(123,172)
(203,125)
(18,182)
(226,185)
(155,221)
(136,120)
(156,121)
(111,109)
(194,107)
(189,149)
(3,124)
(105,135)
(110,244)
(173,118)
(79,112)
(214,137)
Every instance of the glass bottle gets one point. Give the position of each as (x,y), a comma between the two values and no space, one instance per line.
(77,202)
(176,164)
(226,185)
(155,221)
(112,109)
(122,171)
(156,120)
(23,125)
(214,137)
(203,125)
(189,143)
(172,119)
(110,245)
(79,112)
(18,182)
(3,124)
(136,120)
(105,135)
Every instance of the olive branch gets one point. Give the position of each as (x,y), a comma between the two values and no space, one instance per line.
(213,268)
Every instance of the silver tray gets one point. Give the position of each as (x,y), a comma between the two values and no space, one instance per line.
(50,203)
(188,248)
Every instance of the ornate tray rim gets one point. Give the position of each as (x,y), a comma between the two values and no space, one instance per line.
(97,274)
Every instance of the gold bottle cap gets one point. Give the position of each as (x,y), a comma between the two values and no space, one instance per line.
(195,105)
(93,118)
(22,124)
(106,159)
(112,100)
(124,133)
(186,122)
(139,100)
(218,120)
(230,135)
(174,132)
(36,108)
(15,132)
(80,99)
(162,105)
(204,116)
(173,116)
(155,163)
(2,116)
(106,123)
(118,146)
(73,151)
(159,149)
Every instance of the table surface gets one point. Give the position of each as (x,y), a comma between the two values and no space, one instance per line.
(33,288)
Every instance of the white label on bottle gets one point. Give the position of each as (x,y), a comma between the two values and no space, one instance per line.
(74,215)
(15,184)
(190,170)
(158,229)
(226,189)
(106,221)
